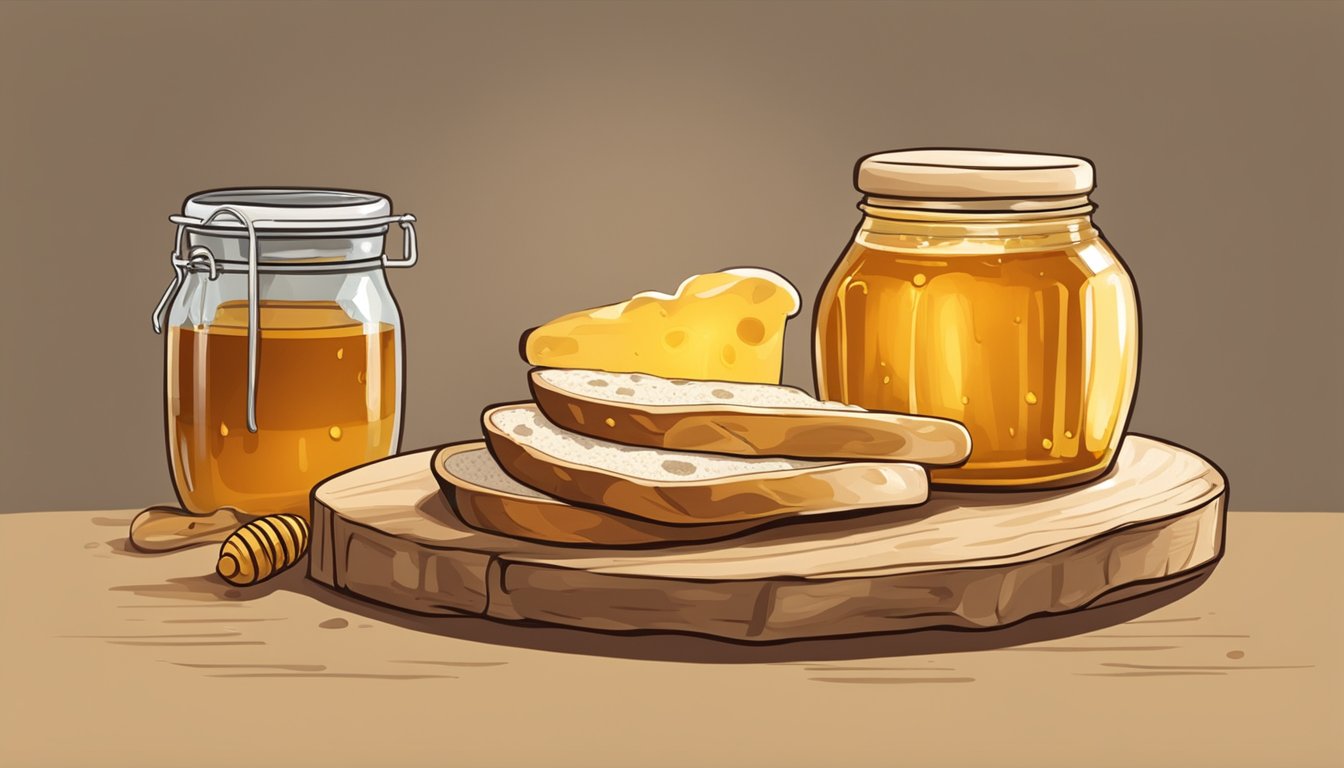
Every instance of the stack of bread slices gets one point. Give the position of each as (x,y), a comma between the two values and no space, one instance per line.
(624,459)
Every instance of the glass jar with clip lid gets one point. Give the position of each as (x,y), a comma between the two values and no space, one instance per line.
(284,347)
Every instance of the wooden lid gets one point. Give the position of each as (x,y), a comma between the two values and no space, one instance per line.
(969,174)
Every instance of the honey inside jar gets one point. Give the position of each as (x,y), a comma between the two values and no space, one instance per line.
(1021,326)
(326,401)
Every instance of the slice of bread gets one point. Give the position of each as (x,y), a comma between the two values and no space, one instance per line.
(486,498)
(680,487)
(739,419)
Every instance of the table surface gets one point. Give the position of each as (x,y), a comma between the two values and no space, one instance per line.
(113,657)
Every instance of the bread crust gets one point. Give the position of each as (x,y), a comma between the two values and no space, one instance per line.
(552,521)
(739,430)
(839,487)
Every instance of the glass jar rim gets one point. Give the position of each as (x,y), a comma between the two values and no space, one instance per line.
(271,210)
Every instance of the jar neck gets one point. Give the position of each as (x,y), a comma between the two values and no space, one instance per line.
(292,251)
(976,225)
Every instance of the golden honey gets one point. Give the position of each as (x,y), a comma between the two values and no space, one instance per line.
(1027,334)
(326,401)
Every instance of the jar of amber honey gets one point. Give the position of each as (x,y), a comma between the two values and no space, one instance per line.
(283,353)
(977,288)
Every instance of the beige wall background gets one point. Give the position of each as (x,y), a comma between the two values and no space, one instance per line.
(565,155)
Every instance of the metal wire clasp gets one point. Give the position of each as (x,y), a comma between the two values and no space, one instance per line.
(409,252)
(201,254)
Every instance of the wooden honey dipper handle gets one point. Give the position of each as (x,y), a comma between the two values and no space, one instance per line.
(164,529)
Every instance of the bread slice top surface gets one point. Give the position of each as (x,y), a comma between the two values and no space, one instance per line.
(525,424)
(478,467)
(646,390)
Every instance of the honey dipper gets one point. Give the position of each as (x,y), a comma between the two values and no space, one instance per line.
(254,549)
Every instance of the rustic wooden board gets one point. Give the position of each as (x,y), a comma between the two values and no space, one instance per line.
(967,560)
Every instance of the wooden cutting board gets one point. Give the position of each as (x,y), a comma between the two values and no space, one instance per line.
(969,560)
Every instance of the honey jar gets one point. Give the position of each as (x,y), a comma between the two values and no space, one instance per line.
(283,352)
(977,288)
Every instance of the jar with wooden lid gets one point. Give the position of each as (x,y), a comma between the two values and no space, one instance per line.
(977,288)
